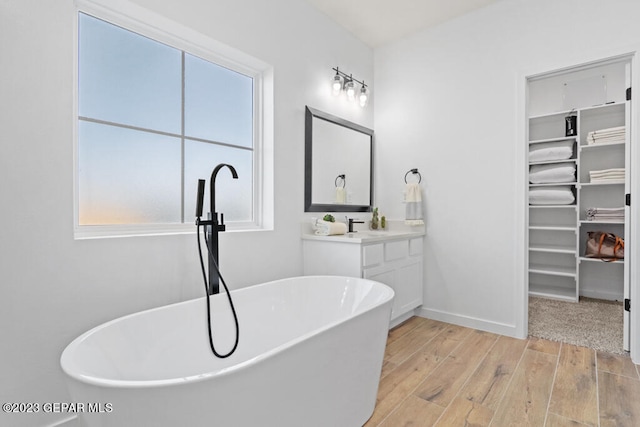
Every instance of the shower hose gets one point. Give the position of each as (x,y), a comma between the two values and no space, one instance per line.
(206,289)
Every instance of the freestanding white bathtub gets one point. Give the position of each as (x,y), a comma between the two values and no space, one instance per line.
(310,354)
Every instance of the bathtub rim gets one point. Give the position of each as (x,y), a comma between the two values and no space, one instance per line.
(67,365)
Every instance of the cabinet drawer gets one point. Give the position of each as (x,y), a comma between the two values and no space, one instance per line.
(372,255)
(415,246)
(396,250)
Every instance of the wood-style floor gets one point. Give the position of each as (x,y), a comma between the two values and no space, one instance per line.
(437,374)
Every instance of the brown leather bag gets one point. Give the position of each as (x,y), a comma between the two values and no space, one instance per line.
(603,245)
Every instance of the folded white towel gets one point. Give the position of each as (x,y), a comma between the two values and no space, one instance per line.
(620,180)
(604,172)
(607,210)
(605,214)
(547,174)
(607,136)
(547,151)
(413,199)
(326,228)
(608,131)
(595,136)
(607,178)
(615,175)
(607,174)
(551,196)
(605,141)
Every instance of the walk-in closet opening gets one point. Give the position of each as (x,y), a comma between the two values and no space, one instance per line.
(579,168)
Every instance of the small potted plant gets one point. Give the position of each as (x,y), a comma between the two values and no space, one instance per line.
(374,219)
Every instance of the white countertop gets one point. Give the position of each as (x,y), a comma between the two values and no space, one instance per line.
(367,236)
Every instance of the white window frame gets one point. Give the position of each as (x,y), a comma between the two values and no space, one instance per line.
(161,29)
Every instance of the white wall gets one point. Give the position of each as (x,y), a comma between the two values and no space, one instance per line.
(53,287)
(450,101)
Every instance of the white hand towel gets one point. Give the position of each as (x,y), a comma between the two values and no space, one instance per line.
(326,228)
(413,201)
(341,195)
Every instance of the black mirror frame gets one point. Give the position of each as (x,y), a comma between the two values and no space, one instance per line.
(309,206)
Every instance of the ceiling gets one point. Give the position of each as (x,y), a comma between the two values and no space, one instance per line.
(377,22)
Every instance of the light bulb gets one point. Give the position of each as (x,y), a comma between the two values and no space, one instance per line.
(364,96)
(336,85)
(350,88)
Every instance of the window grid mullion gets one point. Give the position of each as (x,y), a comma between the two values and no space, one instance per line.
(159,132)
(182,144)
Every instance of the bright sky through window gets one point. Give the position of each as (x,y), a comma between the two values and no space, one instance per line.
(154,119)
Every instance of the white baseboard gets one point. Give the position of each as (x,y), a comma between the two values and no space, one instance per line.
(601,294)
(470,322)
(395,322)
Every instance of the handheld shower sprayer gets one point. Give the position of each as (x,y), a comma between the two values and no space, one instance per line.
(200,199)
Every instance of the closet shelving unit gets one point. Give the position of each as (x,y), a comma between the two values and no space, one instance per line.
(557,233)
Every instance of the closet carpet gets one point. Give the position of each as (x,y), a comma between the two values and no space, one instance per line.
(590,323)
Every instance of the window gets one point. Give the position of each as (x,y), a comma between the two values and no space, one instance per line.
(152,120)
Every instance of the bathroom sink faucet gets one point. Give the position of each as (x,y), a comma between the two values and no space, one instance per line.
(352,221)
(212,226)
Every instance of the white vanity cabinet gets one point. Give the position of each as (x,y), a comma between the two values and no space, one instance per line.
(395,260)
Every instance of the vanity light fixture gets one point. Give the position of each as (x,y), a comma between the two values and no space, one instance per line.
(343,82)
(364,95)
(337,83)
(350,90)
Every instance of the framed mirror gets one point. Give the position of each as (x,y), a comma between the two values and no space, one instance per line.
(338,164)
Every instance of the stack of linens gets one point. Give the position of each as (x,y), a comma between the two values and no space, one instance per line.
(606,136)
(615,175)
(605,214)
(551,174)
(560,195)
(548,151)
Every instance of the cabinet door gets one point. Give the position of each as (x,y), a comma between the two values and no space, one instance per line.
(386,276)
(405,278)
(408,278)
